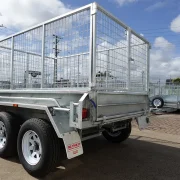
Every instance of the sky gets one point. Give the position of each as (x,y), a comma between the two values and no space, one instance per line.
(157,20)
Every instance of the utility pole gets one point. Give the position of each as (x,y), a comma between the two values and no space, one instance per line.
(56,52)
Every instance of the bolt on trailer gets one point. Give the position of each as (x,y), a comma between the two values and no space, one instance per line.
(165,95)
(74,77)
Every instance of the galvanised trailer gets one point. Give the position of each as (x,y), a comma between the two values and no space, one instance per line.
(165,96)
(72,78)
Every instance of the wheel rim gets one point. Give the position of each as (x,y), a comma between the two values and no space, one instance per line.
(157,102)
(31,147)
(114,134)
(2,135)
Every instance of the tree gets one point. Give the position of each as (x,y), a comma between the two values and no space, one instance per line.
(176,80)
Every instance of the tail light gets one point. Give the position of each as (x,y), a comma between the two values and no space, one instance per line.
(84,113)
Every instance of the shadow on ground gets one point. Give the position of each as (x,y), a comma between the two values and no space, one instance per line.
(133,159)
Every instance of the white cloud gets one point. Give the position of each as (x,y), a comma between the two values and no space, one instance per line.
(161,42)
(123,2)
(163,63)
(21,14)
(156,6)
(175,24)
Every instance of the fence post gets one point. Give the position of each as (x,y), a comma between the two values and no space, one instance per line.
(148,66)
(107,69)
(93,49)
(42,56)
(78,72)
(12,62)
(129,57)
(27,71)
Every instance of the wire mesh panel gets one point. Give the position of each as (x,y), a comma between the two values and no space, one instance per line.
(138,64)
(67,43)
(170,89)
(60,54)
(154,89)
(164,89)
(27,59)
(5,63)
(111,54)
(120,65)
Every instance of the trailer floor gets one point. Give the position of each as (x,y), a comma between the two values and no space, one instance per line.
(146,155)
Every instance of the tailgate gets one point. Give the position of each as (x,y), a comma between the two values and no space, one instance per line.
(116,105)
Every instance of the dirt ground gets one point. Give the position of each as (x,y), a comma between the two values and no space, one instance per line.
(152,154)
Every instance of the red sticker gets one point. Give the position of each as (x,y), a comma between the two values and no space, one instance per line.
(74,146)
(75,152)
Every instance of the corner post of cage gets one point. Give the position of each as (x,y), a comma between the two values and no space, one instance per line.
(148,66)
(129,57)
(90,48)
(26,79)
(43,56)
(78,71)
(92,73)
(12,62)
(107,68)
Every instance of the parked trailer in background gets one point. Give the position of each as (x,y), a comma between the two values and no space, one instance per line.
(165,96)
(72,78)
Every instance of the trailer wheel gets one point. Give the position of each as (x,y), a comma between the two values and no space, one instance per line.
(9,128)
(117,136)
(157,102)
(38,147)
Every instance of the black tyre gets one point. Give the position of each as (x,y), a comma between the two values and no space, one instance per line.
(117,136)
(38,147)
(157,102)
(9,127)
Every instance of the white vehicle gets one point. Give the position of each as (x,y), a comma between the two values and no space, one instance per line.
(72,78)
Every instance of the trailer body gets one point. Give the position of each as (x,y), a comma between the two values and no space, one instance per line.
(84,72)
(169,94)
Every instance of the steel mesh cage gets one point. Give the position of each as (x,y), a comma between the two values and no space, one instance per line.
(67,43)
(86,48)
(111,54)
(164,89)
(27,59)
(119,66)
(5,63)
(138,64)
